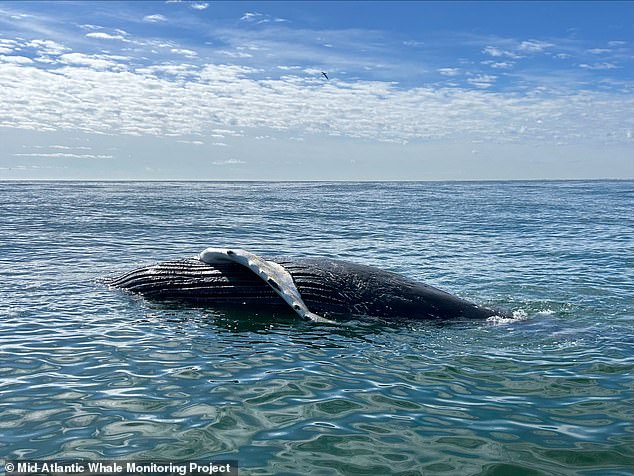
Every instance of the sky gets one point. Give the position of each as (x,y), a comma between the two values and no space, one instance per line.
(208,90)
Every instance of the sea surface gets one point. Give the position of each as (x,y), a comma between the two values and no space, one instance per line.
(88,372)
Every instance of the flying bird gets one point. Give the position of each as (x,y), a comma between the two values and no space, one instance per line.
(325,75)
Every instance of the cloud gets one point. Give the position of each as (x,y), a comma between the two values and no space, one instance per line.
(98,62)
(229,162)
(199,6)
(34,167)
(47,47)
(598,51)
(251,16)
(179,70)
(219,100)
(515,50)
(89,26)
(224,73)
(15,59)
(497,52)
(534,46)
(8,42)
(184,52)
(105,36)
(59,147)
(185,89)
(449,71)
(258,18)
(482,80)
(156,18)
(499,64)
(64,155)
(235,54)
(598,66)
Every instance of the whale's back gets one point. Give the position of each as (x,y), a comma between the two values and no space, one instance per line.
(330,288)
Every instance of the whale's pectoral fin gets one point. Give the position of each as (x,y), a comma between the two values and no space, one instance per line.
(311,316)
(273,274)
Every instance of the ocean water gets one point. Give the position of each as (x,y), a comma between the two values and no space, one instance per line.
(88,372)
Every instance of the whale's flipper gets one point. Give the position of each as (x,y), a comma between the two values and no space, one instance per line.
(271,273)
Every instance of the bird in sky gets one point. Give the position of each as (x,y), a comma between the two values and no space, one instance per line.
(325,75)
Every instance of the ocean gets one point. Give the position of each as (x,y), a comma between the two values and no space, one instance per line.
(88,372)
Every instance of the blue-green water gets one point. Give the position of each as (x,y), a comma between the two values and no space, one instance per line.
(89,372)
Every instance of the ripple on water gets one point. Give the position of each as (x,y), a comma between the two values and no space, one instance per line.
(86,372)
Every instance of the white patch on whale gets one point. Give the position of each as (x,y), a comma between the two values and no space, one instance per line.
(271,273)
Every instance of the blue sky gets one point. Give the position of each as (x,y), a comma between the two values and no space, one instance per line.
(233,90)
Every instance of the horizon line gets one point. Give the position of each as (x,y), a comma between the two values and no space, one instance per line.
(630,179)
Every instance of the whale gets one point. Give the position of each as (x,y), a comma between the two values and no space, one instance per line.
(316,289)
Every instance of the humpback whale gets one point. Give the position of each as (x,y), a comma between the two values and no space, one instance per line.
(317,289)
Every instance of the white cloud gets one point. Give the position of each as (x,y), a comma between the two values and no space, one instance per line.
(517,51)
(449,71)
(100,35)
(199,6)
(534,46)
(598,51)
(499,64)
(598,66)
(47,47)
(256,17)
(229,162)
(98,62)
(157,18)
(181,70)
(15,59)
(104,94)
(33,167)
(498,52)
(224,73)
(482,80)
(64,155)
(184,52)
(235,54)
(7,46)
(58,147)
(251,16)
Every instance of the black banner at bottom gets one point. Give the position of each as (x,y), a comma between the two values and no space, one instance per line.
(120,468)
